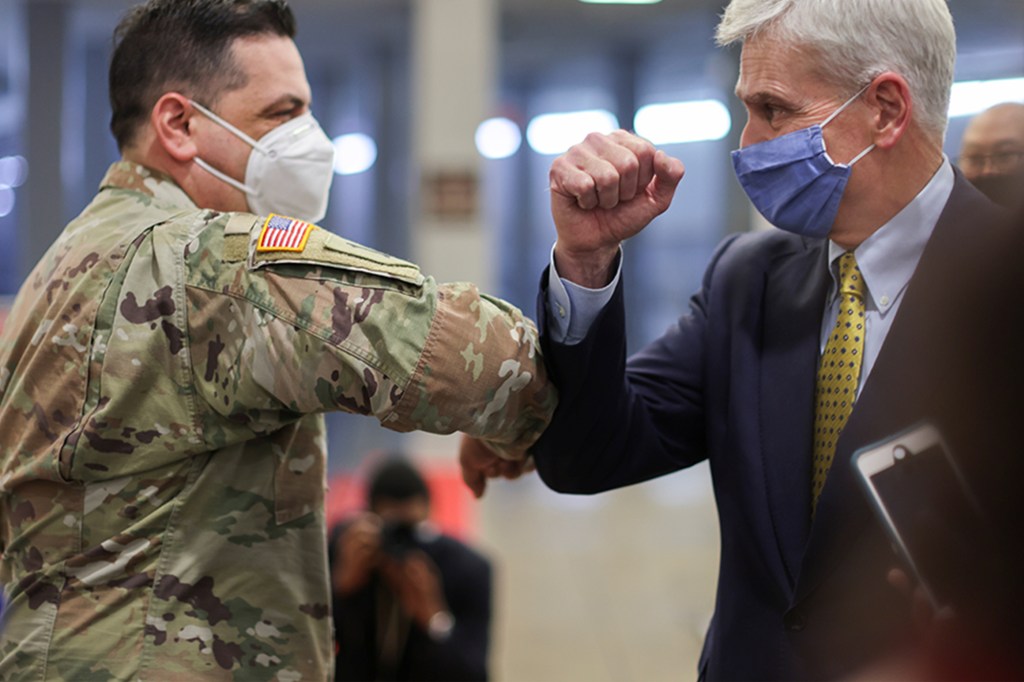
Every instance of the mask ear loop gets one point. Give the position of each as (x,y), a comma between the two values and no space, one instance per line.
(839,111)
(862,154)
(232,129)
(242,187)
(845,104)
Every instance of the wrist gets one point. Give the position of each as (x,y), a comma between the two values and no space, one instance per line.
(440,626)
(592,269)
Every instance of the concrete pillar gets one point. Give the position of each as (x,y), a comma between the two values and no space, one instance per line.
(454,67)
(47,21)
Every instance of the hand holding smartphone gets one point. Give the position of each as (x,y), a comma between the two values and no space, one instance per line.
(929,512)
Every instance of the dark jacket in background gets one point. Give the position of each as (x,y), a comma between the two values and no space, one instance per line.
(467,582)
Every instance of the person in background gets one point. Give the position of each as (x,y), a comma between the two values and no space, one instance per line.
(410,603)
(165,369)
(992,153)
(802,344)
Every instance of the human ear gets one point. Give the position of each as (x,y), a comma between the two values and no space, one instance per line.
(892,105)
(171,119)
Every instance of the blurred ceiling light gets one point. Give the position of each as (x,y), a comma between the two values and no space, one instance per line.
(498,138)
(6,200)
(555,133)
(675,122)
(354,153)
(972,97)
(13,171)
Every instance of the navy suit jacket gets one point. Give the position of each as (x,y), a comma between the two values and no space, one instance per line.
(733,382)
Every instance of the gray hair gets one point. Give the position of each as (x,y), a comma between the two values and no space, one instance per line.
(855,40)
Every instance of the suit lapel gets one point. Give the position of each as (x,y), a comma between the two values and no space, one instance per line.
(795,291)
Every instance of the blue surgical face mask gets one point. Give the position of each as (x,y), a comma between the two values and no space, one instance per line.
(792,180)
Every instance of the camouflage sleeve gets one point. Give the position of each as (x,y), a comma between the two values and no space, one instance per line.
(480,372)
(278,334)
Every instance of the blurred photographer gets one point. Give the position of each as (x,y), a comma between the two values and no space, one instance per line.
(410,603)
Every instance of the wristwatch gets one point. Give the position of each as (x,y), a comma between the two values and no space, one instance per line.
(440,626)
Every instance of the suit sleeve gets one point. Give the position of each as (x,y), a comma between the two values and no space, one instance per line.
(621,422)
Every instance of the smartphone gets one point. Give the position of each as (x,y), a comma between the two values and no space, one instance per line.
(928,510)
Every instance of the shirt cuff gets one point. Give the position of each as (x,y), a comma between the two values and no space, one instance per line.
(572,309)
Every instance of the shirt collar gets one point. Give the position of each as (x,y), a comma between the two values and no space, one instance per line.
(887,259)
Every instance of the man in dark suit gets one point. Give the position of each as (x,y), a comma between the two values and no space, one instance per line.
(803,343)
(410,603)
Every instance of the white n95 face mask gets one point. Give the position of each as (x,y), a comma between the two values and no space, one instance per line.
(290,168)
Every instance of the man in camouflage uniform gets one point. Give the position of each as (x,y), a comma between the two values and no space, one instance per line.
(165,368)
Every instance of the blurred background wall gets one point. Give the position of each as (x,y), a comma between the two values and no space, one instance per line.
(446,116)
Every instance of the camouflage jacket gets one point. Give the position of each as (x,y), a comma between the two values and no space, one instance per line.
(163,375)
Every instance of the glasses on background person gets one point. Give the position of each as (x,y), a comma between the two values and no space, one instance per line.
(999,162)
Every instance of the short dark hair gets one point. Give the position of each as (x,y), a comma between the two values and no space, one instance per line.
(396,479)
(166,45)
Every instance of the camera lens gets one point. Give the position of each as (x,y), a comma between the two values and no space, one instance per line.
(397,538)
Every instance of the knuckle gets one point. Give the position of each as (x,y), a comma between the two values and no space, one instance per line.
(630,165)
(581,185)
(558,168)
(606,177)
(621,135)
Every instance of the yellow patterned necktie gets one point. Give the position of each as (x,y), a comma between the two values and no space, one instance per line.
(838,373)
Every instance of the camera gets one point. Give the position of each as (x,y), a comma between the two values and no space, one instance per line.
(397,538)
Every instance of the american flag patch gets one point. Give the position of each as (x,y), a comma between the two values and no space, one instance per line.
(281,233)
